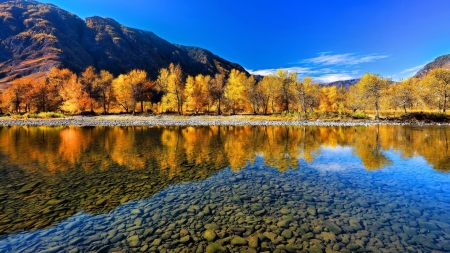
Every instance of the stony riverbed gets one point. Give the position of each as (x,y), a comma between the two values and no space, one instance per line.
(260,209)
(167,120)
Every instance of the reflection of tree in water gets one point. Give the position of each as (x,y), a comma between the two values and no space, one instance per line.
(367,147)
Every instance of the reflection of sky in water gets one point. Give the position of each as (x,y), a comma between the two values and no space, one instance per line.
(389,194)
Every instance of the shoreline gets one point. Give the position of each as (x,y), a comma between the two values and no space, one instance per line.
(169,120)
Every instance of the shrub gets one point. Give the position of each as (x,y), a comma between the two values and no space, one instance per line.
(359,115)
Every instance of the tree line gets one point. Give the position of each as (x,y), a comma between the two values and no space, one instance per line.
(236,92)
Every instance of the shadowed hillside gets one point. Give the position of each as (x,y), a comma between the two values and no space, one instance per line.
(35,37)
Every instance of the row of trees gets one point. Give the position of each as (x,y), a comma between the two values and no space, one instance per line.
(62,90)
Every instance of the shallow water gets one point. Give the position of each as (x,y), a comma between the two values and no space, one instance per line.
(174,189)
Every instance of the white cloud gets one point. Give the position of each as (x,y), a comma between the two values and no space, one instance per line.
(413,69)
(265,72)
(326,58)
(325,75)
(329,78)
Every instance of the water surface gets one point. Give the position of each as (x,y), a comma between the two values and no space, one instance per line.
(173,189)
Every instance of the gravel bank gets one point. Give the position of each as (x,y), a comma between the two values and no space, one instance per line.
(165,120)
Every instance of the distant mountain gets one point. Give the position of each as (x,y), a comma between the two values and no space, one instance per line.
(440,62)
(346,83)
(34,37)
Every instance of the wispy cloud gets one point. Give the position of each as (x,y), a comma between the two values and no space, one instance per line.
(328,67)
(413,69)
(326,58)
(299,70)
(329,78)
(323,75)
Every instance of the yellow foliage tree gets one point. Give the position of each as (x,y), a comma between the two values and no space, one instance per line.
(103,83)
(196,92)
(437,86)
(404,94)
(328,99)
(87,80)
(286,85)
(216,91)
(236,91)
(75,99)
(373,88)
(141,87)
(56,80)
(19,94)
(123,92)
(170,82)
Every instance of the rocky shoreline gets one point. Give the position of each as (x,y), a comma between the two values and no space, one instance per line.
(167,120)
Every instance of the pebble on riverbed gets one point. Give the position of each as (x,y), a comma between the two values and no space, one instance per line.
(205,217)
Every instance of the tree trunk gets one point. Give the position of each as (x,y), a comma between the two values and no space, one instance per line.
(445,104)
(104,105)
(142,106)
(377,116)
(303,104)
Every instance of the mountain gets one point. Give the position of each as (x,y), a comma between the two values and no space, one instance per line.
(345,83)
(34,37)
(442,61)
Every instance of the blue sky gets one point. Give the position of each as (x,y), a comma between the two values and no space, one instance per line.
(329,40)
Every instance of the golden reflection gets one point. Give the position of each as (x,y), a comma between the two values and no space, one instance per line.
(170,149)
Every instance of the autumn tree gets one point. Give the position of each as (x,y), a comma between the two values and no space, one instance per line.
(255,94)
(312,97)
(141,87)
(373,88)
(197,91)
(301,89)
(267,88)
(356,99)
(286,81)
(404,94)
(19,93)
(170,82)
(1,103)
(216,91)
(332,99)
(87,80)
(437,85)
(56,79)
(235,91)
(123,92)
(103,84)
(75,98)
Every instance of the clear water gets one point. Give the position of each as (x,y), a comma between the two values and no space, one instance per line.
(235,189)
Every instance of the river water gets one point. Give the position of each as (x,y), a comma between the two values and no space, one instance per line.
(225,189)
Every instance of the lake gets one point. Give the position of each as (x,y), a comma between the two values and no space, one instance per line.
(225,189)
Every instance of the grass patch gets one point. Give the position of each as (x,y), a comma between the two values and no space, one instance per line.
(41,115)
(359,115)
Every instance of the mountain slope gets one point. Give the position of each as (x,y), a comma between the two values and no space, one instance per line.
(35,37)
(442,61)
(344,83)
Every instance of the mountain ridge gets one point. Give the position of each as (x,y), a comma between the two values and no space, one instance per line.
(442,61)
(35,37)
